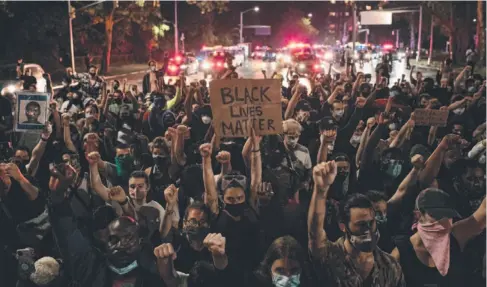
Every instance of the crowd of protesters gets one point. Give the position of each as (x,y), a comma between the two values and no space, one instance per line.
(133,188)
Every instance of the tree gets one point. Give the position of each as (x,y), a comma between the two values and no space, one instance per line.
(480,43)
(453,25)
(294,26)
(115,14)
(206,28)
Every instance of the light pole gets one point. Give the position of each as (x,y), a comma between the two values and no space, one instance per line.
(176,32)
(354,31)
(71,16)
(432,28)
(419,31)
(256,9)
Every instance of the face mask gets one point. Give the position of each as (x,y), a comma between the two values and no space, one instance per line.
(436,239)
(235,209)
(124,165)
(196,234)
(206,120)
(92,74)
(471,89)
(331,147)
(339,113)
(292,142)
(152,68)
(458,111)
(393,169)
(393,126)
(279,280)
(124,270)
(365,242)
(381,219)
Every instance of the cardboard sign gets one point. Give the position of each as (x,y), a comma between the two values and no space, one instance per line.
(32,113)
(426,117)
(240,104)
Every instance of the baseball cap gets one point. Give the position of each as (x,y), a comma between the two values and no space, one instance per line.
(303,105)
(327,123)
(436,203)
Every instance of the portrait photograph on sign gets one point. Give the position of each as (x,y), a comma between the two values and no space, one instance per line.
(31,111)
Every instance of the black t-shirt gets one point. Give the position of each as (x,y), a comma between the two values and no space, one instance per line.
(19,206)
(419,275)
(187,256)
(242,242)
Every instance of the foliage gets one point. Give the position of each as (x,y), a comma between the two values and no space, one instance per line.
(210,6)
(295,26)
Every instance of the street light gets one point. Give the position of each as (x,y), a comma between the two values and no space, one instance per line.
(310,15)
(255,9)
(474,20)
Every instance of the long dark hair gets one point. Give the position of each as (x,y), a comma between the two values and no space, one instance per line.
(283,247)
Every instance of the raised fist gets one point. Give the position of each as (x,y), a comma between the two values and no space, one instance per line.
(66,118)
(117,194)
(370,122)
(223,157)
(215,243)
(324,174)
(417,161)
(171,194)
(165,252)
(93,158)
(205,150)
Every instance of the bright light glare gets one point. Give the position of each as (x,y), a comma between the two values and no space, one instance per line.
(287,59)
(328,55)
(310,15)
(206,65)
(302,66)
(11,89)
(256,9)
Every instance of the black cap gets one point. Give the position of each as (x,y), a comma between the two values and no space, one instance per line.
(303,105)
(436,203)
(327,123)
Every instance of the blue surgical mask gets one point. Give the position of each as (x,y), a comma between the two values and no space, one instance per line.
(283,281)
(124,270)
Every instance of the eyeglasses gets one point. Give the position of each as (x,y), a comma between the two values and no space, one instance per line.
(228,180)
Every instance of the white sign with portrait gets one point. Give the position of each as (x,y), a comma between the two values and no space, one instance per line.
(31,112)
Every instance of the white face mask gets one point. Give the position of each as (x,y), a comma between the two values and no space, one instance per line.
(330,147)
(339,113)
(206,120)
(393,126)
(153,68)
(458,111)
(279,280)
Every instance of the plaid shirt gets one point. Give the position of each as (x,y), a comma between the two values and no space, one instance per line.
(336,265)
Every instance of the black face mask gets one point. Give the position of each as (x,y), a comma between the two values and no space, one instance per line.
(196,234)
(236,209)
(366,242)
(339,188)
(92,74)
(274,159)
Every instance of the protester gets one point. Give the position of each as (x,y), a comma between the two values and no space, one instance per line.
(122,188)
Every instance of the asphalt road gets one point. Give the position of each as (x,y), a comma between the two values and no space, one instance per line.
(253,69)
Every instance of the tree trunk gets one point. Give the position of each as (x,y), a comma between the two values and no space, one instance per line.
(480,41)
(412,34)
(107,49)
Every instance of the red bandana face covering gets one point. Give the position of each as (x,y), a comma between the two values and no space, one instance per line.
(436,239)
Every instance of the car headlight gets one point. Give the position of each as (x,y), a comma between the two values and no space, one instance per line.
(206,65)
(302,66)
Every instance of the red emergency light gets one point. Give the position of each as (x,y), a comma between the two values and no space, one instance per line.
(388,46)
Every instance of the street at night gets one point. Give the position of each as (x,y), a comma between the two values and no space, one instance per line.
(243,143)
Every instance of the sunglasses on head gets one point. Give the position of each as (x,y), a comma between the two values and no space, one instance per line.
(231,180)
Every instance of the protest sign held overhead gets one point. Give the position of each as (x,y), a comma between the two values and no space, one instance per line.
(31,111)
(240,104)
(427,117)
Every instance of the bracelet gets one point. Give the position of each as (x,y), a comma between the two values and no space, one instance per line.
(256,150)
(125,201)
